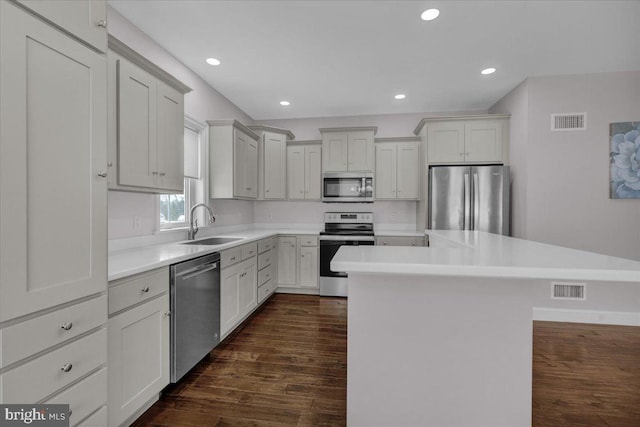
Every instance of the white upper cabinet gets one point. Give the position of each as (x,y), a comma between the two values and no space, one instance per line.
(53,190)
(472,139)
(304,173)
(146,122)
(348,149)
(86,20)
(397,169)
(233,160)
(272,162)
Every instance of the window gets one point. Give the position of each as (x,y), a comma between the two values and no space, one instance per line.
(174,209)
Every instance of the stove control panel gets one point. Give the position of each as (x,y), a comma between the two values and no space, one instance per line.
(348,217)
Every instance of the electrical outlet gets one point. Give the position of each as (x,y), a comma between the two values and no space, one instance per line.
(137,222)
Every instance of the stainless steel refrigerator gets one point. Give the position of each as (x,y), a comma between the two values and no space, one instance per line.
(469,198)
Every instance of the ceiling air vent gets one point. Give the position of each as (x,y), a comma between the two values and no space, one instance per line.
(568,291)
(569,121)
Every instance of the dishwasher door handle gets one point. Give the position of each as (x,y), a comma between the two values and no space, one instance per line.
(192,272)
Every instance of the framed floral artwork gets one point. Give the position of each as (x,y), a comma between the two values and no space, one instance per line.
(624,157)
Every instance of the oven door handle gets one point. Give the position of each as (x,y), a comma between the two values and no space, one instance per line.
(348,238)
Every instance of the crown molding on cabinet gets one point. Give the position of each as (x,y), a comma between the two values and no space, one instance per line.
(424,121)
(350,129)
(258,128)
(305,142)
(236,124)
(126,52)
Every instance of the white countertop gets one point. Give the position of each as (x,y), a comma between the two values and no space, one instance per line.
(398,233)
(486,255)
(126,262)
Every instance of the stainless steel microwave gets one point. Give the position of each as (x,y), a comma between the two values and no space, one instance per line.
(347,187)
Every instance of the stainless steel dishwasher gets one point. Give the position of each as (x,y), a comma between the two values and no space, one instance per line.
(195,312)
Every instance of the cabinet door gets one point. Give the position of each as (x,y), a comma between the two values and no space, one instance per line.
(483,141)
(308,266)
(137,155)
(229,298)
(361,151)
(313,173)
(170,138)
(287,261)
(240,141)
(295,172)
(86,20)
(445,142)
(251,169)
(335,146)
(248,286)
(275,170)
(408,176)
(386,162)
(138,355)
(53,203)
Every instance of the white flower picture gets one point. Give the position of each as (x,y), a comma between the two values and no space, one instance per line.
(624,157)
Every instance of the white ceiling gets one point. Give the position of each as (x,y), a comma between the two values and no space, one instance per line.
(337,58)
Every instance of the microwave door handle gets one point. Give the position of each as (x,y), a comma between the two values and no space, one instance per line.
(363,189)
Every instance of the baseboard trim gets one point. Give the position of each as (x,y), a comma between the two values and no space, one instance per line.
(302,291)
(586,316)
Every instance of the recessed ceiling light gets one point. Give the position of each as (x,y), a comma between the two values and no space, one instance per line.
(213,61)
(489,70)
(430,14)
(400,96)
(285,103)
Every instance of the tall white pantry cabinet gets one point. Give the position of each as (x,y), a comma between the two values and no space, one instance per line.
(53,193)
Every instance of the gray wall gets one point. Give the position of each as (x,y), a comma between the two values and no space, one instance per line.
(567,173)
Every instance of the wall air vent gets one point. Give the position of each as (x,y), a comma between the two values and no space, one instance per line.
(569,121)
(568,291)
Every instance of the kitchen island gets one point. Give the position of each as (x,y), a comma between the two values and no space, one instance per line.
(442,336)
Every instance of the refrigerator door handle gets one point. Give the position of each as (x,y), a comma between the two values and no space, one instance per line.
(476,201)
(467,203)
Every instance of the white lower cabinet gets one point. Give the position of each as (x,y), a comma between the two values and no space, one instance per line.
(238,286)
(287,250)
(138,352)
(83,398)
(298,263)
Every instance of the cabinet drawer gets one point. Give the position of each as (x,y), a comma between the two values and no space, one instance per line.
(266,244)
(140,288)
(230,257)
(264,275)
(249,250)
(400,241)
(265,259)
(42,376)
(265,290)
(308,240)
(34,335)
(84,397)
(97,419)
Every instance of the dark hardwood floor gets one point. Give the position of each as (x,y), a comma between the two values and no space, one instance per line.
(287,366)
(586,375)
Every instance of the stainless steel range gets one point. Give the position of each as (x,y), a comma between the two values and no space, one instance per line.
(341,228)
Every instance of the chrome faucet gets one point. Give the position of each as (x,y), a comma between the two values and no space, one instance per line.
(193,228)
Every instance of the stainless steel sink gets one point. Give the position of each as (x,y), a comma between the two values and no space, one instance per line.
(213,241)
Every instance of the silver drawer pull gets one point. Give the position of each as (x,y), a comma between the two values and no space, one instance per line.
(66,326)
(66,367)
(102,23)
(145,289)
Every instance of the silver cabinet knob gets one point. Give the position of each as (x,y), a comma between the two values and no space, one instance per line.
(102,174)
(66,326)
(145,289)
(66,367)
(167,313)
(154,173)
(109,164)
(162,173)
(413,243)
(102,23)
